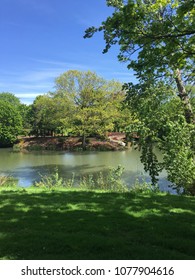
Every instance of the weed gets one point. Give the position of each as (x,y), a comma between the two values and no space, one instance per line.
(50,182)
(107,182)
(6,181)
(144,187)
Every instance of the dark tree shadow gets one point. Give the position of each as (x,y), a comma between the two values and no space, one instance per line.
(89,225)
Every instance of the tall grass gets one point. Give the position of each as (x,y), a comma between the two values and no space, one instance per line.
(110,181)
(6,181)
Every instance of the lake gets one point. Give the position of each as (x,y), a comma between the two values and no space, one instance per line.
(27,166)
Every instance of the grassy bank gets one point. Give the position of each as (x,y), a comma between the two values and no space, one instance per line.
(76,224)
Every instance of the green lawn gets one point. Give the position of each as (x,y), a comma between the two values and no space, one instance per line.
(62,224)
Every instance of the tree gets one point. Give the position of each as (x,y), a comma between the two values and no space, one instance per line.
(51,114)
(191,90)
(26,114)
(42,111)
(157,40)
(10,124)
(10,98)
(162,125)
(96,101)
(22,109)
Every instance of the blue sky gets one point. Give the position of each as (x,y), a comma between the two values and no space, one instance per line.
(41,39)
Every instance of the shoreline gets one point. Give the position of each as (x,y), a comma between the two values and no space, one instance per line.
(70,143)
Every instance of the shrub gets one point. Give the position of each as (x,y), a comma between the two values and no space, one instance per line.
(111,181)
(6,181)
(107,182)
(144,187)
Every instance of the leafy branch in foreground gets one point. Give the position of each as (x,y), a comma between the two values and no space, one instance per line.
(157,40)
(162,125)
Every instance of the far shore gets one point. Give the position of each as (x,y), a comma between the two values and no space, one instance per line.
(114,142)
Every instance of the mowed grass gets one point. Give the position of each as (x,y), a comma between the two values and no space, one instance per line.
(73,224)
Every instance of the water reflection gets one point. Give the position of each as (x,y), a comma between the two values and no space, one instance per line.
(27,167)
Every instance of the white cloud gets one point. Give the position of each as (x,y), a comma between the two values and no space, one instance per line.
(41,78)
(35,87)
(28,95)
(41,75)
(61,64)
(28,98)
(29,84)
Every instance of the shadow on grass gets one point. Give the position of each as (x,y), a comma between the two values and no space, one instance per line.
(41,224)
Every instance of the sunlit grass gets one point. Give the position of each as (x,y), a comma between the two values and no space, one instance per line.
(77,224)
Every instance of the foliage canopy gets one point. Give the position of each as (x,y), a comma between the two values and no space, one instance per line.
(83,104)
(157,41)
(95,101)
(10,123)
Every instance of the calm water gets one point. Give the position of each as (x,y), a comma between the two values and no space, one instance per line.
(28,166)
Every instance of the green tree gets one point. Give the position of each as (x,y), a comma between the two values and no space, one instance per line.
(10,123)
(50,115)
(162,125)
(10,98)
(26,114)
(96,101)
(157,41)
(22,109)
(42,111)
(191,90)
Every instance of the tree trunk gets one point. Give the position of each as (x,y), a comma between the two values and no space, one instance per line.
(185,98)
(84,142)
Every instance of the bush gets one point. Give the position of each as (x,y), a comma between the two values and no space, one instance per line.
(144,187)
(10,124)
(6,181)
(107,182)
